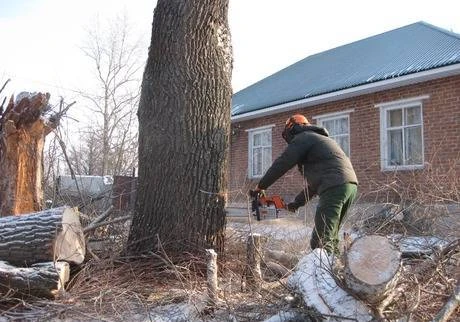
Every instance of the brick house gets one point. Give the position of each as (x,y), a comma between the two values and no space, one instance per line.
(392,101)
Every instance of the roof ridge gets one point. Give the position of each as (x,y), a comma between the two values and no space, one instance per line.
(436,28)
(354,42)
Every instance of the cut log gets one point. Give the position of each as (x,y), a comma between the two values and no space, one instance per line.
(283,258)
(313,280)
(50,235)
(276,269)
(42,279)
(372,266)
(418,246)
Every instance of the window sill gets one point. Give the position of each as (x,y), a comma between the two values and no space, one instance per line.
(402,168)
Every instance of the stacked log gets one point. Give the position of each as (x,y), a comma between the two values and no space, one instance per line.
(41,279)
(36,249)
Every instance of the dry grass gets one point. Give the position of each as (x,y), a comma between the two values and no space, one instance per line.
(426,285)
(127,289)
(122,289)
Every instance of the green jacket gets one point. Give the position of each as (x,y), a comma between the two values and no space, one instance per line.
(319,158)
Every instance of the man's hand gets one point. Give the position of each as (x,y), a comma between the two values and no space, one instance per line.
(256,192)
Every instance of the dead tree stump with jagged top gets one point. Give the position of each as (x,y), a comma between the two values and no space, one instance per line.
(24,124)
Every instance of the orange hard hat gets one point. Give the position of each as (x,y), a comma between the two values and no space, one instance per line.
(296,119)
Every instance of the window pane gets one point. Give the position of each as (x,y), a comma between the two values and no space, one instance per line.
(257,140)
(261,152)
(329,125)
(342,126)
(343,142)
(413,142)
(266,138)
(395,147)
(267,159)
(394,118)
(256,161)
(413,115)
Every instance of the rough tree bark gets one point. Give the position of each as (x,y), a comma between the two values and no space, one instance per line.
(184,126)
(42,279)
(22,137)
(47,236)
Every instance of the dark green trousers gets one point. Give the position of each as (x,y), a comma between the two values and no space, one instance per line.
(330,213)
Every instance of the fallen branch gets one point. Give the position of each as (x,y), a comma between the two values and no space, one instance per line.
(449,307)
(4,85)
(105,223)
(98,219)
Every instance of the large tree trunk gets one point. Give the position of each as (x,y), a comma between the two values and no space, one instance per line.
(22,138)
(184,125)
(47,236)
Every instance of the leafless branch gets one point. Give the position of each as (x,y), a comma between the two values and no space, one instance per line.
(105,223)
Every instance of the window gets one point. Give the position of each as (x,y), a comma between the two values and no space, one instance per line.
(338,126)
(260,150)
(401,145)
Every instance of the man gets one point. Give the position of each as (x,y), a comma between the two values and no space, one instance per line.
(328,173)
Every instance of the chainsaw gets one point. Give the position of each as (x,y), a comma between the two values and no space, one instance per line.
(259,199)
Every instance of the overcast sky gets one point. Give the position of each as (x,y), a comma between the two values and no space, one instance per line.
(40,39)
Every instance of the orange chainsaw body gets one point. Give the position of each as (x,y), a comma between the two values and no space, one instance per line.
(275,200)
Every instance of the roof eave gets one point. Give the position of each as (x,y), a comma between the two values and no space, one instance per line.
(352,92)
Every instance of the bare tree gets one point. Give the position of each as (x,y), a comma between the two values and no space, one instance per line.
(184,125)
(109,144)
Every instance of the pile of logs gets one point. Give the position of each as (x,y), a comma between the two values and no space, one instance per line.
(37,249)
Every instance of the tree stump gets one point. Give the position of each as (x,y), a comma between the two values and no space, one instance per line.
(22,138)
(372,266)
(211,273)
(254,257)
(42,279)
(47,236)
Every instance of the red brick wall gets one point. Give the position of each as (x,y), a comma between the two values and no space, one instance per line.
(441,127)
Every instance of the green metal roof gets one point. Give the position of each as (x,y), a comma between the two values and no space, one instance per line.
(407,50)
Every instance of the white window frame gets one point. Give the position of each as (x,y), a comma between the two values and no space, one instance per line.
(397,105)
(251,133)
(320,119)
